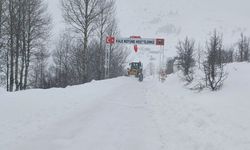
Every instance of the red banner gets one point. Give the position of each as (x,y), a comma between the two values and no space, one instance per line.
(110,40)
(136,48)
(160,42)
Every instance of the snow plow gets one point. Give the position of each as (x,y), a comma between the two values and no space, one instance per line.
(136,70)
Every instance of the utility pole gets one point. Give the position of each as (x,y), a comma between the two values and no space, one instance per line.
(107,61)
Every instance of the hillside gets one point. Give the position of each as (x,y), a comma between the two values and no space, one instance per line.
(123,113)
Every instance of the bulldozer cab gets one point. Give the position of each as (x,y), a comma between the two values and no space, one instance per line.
(135,69)
(136,65)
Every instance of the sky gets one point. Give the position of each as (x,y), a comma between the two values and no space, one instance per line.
(173,20)
(58,24)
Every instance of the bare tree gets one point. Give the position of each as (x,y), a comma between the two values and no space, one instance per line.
(82,16)
(243,47)
(118,54)
(213,65)
(186,58)
(3,51)
(27,26)
(39,68)
(11,31)
(63,61)
(228,55)
(104,21)
(2,20)
(38,28)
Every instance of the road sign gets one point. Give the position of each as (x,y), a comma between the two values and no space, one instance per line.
(159,41)
(110,40)
(146,41)
(136,48)
(135,40)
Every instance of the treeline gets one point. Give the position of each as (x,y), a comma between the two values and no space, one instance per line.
(23,31)
(79,55)
(210,60)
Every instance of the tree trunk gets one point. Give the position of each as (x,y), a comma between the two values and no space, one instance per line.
(11,9)
(85,56)
(23,58)
(27,62)
(23,45)
(18,31)
(7,74)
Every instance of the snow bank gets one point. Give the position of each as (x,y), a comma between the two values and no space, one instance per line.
(2,90)
(205,120)
(123,113)
(26,114)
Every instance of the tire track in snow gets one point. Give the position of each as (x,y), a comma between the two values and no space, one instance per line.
(119,121)
(148,97)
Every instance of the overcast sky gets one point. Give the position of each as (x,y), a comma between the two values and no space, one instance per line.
(173,19)
(57,20)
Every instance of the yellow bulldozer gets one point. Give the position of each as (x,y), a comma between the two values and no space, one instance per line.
(136,69)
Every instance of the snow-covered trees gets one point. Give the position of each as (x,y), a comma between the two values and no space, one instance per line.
(79,56)
(38,75)
(213,64)
(24,28)
(2,20)
(91,19)
(209,71)
(228,55)
(68,61)
(186,59)
(2,51)
(82,16)
(243,48)
(104,23)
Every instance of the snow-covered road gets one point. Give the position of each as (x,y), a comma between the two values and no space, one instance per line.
(124,114)
(120,121)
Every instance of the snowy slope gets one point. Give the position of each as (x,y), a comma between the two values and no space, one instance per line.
(206,120)
(31,112)
(123,113)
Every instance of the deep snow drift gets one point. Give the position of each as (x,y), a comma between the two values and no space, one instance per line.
(124,114)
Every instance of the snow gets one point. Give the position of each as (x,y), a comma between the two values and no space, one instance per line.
(123,113)
(206,120)
(2,90)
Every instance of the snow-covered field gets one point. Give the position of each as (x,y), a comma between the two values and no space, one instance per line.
(124,114)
